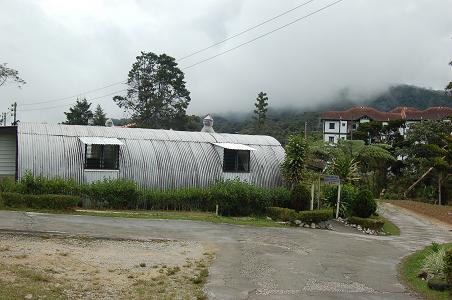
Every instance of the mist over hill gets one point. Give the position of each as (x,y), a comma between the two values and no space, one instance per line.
(282,122)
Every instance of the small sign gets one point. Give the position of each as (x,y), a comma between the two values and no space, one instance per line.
(331,180)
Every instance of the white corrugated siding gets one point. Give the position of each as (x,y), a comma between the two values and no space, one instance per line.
(7,154)
(160,159)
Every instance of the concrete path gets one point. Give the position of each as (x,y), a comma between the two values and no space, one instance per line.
(270,263)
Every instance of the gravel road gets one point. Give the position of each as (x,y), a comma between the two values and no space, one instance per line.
(271,263)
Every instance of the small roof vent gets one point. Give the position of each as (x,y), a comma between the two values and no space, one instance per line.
(109,123)
(208,124)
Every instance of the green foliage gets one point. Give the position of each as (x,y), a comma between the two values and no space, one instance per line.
(99,116)
(16,200)
(8,184)
(41,185)
(315,216)
(109,193)
(364,204)
(300,197)
(183,199)
(157,96)
(367,223)
(434,263)
(448,266)
(279,196)
(236,198)
(282,214)
(79,114)
(348,194)
(261,109)
(293,167)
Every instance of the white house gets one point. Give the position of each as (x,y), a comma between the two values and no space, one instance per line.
(341,124)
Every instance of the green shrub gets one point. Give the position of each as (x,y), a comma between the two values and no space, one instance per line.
(300,197)
(348,195)
(8,184)
(183,199)
(112,193)
(315,216)
(282,214)
(434,262)
(374,224)
(16,200)
(279,197)
(364,204)
(448,266)
(236,198)
(41,185)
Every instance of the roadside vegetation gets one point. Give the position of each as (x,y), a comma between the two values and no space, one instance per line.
(429,271)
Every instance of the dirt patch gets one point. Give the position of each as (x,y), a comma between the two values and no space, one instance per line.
(73,268)
(442,213)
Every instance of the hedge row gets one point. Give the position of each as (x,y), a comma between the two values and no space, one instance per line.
(233,197)
(16,200)
(367,223)
(308,216)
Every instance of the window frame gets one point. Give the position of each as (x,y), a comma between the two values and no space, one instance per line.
(331,139)
(102,158)
(332,125)
(236,161)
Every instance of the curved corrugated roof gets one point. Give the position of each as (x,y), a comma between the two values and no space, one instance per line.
(163,159)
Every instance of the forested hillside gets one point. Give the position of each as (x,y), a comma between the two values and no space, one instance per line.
(283,122)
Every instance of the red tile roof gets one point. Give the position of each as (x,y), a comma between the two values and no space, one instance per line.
(405,113)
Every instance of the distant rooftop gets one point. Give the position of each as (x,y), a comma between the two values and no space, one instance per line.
(398,113)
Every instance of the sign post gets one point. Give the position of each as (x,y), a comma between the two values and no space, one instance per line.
(334,180)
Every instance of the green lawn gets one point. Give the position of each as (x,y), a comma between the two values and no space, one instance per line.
(409,269)
(390,228)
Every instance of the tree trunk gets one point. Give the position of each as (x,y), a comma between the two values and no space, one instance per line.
(439,189)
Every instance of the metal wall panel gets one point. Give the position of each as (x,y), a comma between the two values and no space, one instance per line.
(7,154)
(157,159)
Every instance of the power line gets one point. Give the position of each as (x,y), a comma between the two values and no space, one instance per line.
(73,96)
(245,31)
(262,35)
(67,104)
(180,59)
(199,51)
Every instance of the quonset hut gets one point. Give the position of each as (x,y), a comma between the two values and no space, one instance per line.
(154,159)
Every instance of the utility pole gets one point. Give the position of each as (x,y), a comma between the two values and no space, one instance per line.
(13,111)
(305,130)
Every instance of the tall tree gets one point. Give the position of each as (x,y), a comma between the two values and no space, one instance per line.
(449,86)
(293,167)
(261,109)
(156,96)
(99,117)
(79,114)
(8,74)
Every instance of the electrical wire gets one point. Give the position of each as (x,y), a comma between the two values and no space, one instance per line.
(262,35)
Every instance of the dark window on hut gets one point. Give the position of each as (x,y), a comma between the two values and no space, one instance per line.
(102,157)
(236,160)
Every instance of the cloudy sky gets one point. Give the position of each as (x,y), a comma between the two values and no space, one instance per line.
(64,49)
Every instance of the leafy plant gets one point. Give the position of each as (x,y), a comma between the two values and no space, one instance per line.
(434,263)
(282,214)
(315,216)
(367,223)
(300,197)
(348,194)
(294,161)
(17,200)
(364,204)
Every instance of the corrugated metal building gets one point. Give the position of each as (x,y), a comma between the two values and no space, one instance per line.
(159,159)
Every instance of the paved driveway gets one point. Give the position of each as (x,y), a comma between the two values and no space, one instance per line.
(271,263)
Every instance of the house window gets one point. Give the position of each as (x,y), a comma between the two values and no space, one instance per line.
(236,160)
(102,157)
(332,126)
(331,139)
(343,124)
